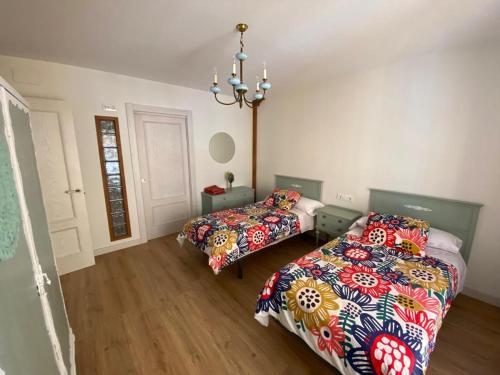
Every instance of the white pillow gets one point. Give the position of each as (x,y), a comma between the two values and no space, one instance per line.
(439,239)
(308,205)
(361,222)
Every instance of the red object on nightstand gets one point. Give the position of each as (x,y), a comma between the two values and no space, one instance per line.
(214,190)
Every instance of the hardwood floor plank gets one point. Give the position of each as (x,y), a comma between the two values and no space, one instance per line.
(157,308)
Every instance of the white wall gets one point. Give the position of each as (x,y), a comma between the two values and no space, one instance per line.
(86,90)
(429,125)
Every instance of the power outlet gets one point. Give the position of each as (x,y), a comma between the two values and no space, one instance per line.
(345,197)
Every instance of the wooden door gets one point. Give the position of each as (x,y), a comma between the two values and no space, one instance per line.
(59,169)
(162,142)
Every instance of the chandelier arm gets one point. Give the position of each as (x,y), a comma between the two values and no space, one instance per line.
(221,102)
(249,105)
(246,100)
(236,97)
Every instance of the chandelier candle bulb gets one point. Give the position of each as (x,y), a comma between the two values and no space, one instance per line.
(258,84)
(265,71)
(215,76)
(234,66)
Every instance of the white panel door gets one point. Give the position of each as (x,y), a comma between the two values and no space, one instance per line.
(60,176)
(164,167)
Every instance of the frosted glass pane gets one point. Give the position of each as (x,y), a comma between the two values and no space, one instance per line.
(107,126)
(116,206)
(111,154)
(112,167)
(118,219)
(115,193)
(108,140)
(120,230)
(114,180)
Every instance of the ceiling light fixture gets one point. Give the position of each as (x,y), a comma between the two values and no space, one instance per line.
(239,87)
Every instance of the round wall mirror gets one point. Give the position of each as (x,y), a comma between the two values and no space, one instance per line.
(221,147)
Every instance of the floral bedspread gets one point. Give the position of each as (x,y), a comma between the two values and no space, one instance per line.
(227,236)
(364,309)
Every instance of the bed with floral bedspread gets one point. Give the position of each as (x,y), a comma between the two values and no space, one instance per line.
(229,235)
(364,308)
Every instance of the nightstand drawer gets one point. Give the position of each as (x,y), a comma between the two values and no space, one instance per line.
(237,197)
(333,220)
(332,228)
(241,196)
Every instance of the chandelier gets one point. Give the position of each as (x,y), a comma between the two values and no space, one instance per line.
(239,87)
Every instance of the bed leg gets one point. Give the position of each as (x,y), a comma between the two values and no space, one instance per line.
(240,271)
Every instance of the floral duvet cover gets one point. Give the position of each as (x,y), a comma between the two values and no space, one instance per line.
(229,235)
(364,309)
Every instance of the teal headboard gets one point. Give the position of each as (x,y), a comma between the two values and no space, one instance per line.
(457,217)
(306,187)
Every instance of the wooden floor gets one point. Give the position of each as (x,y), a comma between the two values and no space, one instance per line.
(158,309)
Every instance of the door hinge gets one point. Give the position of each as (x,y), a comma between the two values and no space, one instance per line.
(41,278)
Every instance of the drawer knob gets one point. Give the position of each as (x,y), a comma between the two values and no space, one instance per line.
(323,224)
(340,221)
(324,216)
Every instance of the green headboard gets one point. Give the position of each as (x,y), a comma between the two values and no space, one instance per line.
(306,187)
(456,217)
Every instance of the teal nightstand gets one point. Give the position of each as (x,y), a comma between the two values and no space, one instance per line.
(334,220)
(238,196)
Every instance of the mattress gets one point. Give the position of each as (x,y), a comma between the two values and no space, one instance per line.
(306,220)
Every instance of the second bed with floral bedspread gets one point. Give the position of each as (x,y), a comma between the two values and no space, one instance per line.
(365,309)
(227,236)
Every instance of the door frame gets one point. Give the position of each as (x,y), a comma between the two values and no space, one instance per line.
(132,110)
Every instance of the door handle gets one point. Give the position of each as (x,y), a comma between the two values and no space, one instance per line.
(71,191)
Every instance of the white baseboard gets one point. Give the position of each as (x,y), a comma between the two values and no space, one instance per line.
(72,358)
(492,300)
(120,246)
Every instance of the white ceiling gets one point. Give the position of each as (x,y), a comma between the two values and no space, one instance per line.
(180,42)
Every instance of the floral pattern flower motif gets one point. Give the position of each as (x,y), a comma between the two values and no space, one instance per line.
(320,273)
(330,337)
(417,324)
(355,302)
(272,219)
(395,277)
(310,301)
(234,218)
(411,241)
(202,231)
(416,299)
(222,242)
(390,349)
(305,262)
(426,277)
(257,237)
(335,260)
(270,295)
(379,233)
(365,280)
(356,253)
(217,261)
